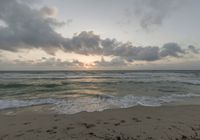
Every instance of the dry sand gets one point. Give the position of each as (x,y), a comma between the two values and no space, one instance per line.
(137,123)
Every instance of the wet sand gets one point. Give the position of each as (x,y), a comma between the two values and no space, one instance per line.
(137,123)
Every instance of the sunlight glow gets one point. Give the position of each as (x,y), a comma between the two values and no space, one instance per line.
(88,65)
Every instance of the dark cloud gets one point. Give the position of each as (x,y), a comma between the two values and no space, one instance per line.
(86,43)
(26,27)
(171,49)
(193,49)
(131,53)
(148,53)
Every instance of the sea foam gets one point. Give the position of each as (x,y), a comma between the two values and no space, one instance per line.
(95,103)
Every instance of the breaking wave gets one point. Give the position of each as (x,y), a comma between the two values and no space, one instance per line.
(95,103)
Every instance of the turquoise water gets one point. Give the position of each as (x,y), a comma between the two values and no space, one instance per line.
(75,91)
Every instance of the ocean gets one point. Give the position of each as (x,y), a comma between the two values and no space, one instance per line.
(69,92)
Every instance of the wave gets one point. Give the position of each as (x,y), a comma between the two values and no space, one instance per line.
(6,104)
(22,85)
(95,103)
(46,84)
(97,74)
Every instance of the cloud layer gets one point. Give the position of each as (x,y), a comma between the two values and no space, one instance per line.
(27,28)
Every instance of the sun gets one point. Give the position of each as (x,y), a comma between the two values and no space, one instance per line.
(88,65)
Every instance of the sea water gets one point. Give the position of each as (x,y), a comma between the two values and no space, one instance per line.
(75,91)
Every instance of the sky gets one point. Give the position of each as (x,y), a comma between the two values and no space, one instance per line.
(99,34)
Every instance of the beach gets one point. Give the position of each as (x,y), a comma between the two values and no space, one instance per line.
(99,70)
(100,105)
(136,123)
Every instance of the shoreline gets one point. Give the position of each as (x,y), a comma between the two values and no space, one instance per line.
(135,123)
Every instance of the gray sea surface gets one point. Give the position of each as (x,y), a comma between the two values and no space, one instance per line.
(75,91)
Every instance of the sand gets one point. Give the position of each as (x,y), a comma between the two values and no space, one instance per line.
(137,123)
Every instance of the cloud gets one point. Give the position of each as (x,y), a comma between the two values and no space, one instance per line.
(26,28)
(115,62)
(193,49)
(86,43)
(132,53)
(55,62)
(53,22)
(171,49)
(49,11)
(152,13)
(69,21)
(41,64)
(30,1)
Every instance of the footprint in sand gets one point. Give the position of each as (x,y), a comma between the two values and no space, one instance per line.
(30,130)
(56,120)
(55,127)
(69,128)
(27,123)
(148,117)
(4,136)
(51,131)
(92,134)
(19,135)
(117,124)
(136,119)
(88,125)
